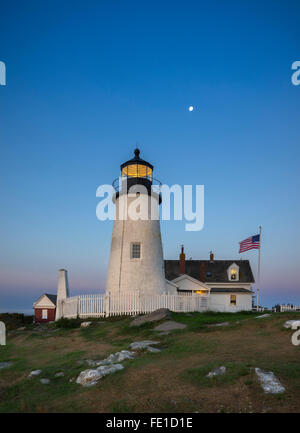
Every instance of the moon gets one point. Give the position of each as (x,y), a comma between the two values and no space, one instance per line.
(191,108)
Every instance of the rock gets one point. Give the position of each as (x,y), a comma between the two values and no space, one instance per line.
(34,373)
(219,324)
(59,374)
(85,324)
(289,323)
(22,328)
(45,381)
(5,365)
(117,357)
(169,326)
(269,382)
(138,345)
(155,316)
(111,359)
(91,377)
(263,316)
(217,372)
(153,349)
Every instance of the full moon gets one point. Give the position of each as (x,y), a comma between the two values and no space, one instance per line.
(191,108)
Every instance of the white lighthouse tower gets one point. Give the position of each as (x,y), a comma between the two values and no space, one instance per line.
(136,258)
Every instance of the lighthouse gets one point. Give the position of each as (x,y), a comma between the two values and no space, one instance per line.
(136,256)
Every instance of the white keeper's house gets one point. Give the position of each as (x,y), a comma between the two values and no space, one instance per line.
(224,283)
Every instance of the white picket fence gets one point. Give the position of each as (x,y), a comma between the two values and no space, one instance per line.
(105,305)
(284,308)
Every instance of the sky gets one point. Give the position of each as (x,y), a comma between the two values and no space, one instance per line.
(88,80)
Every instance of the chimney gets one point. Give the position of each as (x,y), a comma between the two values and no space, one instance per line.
(182,261)
(202,272)
(211,256)
(62,291)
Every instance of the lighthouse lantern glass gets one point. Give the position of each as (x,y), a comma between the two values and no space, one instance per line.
(137,170)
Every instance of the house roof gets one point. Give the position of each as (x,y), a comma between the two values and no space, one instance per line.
(52,298)
(193,280)
(49,296)
(229,290)
(216,268)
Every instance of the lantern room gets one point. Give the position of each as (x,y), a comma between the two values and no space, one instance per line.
(137,167)
(136,171)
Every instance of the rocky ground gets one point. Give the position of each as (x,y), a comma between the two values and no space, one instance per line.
(211,362)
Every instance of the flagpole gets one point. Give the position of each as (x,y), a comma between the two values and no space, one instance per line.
(258,271)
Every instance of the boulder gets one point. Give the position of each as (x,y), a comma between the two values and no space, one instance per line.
(90,377)
(217,372)
(59,374)
(153,349)
(269,382)
(111,359)
(155,316)
(45,381)
(5,365)
(34,373)
(117,357)
(169,326)
(85,324)
(139,345)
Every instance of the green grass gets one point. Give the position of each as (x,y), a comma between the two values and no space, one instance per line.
(196,321)
(29,395)
(234,371)
(189,354)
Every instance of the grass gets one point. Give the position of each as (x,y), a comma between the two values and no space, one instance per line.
(173,380)
(234,371)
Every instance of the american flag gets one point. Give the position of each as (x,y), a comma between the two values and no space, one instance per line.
(250,243)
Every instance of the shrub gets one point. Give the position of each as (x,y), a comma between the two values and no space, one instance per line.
(15,320)
(68,323)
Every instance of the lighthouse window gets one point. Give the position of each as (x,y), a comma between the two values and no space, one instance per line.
(135,251)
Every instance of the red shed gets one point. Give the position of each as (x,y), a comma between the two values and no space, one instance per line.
(44,308)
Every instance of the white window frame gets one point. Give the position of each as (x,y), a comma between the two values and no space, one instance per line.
(131,250)
(236,268)
(44,314)
(234,303)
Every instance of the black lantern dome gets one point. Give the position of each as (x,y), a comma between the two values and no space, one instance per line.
(136,171)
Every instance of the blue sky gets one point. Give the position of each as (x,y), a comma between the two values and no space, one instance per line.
(87,80)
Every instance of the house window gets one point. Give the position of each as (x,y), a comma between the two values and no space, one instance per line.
(44,314)
(233,274)
(232,299)
(135,252)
